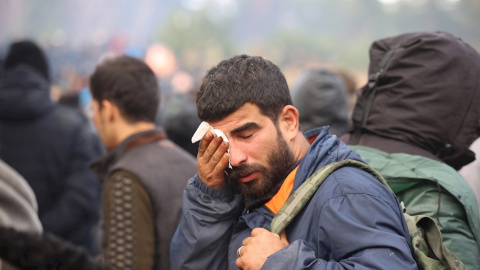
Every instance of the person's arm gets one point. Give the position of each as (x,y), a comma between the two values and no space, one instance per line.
(359,231)
(210,210)
(80,199)
(202,238)
(44,252)
(129,222)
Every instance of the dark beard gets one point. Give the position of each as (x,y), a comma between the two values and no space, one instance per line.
(280,160)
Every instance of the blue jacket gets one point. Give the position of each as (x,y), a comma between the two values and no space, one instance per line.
(352,221)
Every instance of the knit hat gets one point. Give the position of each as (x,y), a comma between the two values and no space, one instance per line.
(27,52)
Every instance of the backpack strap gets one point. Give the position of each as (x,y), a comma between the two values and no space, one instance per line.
(428,249)
(302,195)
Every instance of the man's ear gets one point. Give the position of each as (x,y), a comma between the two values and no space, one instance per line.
(289,122)
(108,110)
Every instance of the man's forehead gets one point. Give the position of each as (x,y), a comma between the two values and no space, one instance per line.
(248,113)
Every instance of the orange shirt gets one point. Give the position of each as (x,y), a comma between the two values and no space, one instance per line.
(282,195)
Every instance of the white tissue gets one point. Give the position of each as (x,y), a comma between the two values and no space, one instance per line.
(203,128)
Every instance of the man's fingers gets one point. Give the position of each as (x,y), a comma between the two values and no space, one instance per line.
(238,263)
(204,143)
(222,164)
(212,144)
(212,160)
(245,241)
(258,231)
(218,160)
(219,152)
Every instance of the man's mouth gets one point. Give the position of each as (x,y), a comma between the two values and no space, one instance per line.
(247,178)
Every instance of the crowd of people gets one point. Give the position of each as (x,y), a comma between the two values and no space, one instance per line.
(115,188)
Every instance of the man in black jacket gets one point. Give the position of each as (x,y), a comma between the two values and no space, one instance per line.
(49,145)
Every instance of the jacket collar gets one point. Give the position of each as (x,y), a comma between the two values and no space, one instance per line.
(102,165)
(325,149)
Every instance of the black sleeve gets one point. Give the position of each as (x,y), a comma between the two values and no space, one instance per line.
(42,252)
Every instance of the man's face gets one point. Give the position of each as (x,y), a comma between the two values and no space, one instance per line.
(259,154)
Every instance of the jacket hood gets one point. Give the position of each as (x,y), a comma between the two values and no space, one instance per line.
(321,99)
(424,90)
(24,94)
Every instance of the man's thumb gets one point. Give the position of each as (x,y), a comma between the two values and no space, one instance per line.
(283,238)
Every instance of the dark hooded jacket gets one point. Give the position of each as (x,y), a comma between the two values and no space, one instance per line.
(426,98)
(421,109)
(321,99)
(50,146)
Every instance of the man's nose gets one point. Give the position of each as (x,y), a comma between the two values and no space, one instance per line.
(237,156)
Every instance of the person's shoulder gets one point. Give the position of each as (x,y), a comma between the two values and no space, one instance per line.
(67,118)
(167,150)
(161,153)
(352,180)
(177,149)
(70,114)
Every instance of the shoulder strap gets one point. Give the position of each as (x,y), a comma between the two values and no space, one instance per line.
(428,249)
(302,195)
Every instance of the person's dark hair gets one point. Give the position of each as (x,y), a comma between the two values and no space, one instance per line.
(238,80)
(28,53)
(128,83)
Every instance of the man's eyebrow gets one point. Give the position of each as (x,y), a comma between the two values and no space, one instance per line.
(246,126)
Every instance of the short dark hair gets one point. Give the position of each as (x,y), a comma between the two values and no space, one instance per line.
(128,83)
(238,80)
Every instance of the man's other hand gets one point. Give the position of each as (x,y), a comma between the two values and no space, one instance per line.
(258,247)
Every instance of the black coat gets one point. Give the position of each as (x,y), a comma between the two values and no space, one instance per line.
(50,146)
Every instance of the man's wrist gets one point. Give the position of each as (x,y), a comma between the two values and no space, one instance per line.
(224,193)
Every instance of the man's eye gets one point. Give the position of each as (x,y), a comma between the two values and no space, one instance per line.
(246,137)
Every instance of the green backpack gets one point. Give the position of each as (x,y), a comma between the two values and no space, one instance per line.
(428,249)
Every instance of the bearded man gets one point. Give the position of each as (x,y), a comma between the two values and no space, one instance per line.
(351,222)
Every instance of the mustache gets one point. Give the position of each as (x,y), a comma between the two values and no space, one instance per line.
(244,170)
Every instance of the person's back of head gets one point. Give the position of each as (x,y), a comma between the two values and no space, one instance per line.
(28,53)
(180,128)
(351,85)
(239,80)
(130,84)
(423,90)
(321,99)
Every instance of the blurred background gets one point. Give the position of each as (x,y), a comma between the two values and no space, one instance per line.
(181,39)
